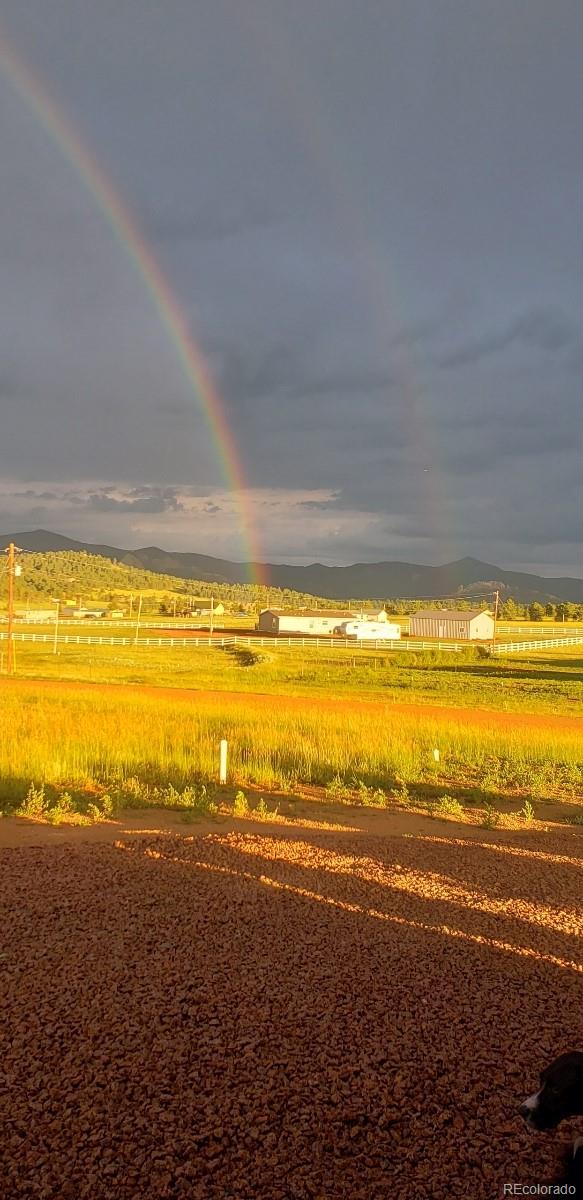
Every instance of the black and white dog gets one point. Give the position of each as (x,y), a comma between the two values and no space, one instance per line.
(560,1096)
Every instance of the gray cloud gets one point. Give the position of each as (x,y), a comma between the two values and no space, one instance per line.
(215,223)
(542,329)
(101,502)
(373,239)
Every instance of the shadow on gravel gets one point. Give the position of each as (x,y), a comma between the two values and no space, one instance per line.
(407,884)
(250,1015)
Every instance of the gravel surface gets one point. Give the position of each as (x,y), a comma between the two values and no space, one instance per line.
(235,1015)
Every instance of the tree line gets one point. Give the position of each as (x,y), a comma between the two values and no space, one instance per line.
(68,574)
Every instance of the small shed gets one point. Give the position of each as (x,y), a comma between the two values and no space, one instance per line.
(371,614)
(218,610)
(454,624)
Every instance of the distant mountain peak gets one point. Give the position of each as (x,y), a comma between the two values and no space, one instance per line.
(360,581)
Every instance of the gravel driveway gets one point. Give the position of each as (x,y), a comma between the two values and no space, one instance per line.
(257,1016)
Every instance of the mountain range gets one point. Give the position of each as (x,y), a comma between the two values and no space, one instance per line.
(464,578)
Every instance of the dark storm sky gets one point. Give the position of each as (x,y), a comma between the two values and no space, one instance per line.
(370,216)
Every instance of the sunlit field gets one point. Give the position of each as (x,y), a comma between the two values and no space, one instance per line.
(132,746)
(542,681)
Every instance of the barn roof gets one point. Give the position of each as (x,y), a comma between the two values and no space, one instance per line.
(452,614)
(319,612)
(310,612)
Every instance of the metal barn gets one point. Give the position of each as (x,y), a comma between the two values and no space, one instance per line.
(454,624)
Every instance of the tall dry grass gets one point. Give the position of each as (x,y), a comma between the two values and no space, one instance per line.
(86,741)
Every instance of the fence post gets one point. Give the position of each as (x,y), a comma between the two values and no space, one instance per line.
(223,761)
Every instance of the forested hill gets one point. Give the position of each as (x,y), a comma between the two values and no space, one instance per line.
(66,574)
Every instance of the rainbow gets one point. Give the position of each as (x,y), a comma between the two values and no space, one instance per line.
(298,99)
(60,129)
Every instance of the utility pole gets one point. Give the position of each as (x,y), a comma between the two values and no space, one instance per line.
(212,615)
(138,620)
(13,569)
(56,637)
(497,596)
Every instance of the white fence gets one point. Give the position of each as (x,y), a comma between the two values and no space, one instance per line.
(352,643)
(88,639)
(405,644)
(121,623)
(540,630)
(536,644)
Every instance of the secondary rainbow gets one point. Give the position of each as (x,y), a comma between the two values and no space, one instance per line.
(57,124)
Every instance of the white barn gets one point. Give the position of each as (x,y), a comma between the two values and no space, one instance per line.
(457,624)
(310,621)
(38,614)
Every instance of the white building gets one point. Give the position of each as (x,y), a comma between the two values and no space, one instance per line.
(79,614)
(309,621)
(454,624)
(370,630)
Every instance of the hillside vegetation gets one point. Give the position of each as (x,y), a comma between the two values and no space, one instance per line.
(69,573)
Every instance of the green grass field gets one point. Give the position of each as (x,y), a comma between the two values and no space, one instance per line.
(144,750)
(546,681)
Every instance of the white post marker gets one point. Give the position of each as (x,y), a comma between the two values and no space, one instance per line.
(223,762)
(436,755)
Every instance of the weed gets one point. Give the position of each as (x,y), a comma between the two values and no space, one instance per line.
(64,809)
(446,806)
(35,803)
(491,817)
(370,797)
(401,795)
(107,806)
(240,805)
(337,789)
(527,813)
(576,820)
(263,812)
(198,798)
